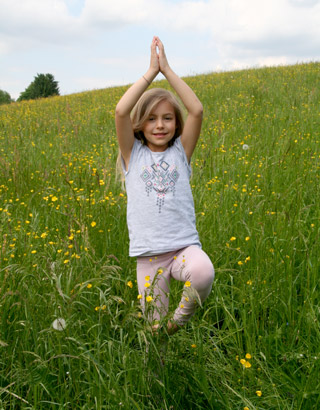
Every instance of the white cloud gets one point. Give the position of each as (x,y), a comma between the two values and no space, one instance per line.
(89,39)
(234,26)
(26,24)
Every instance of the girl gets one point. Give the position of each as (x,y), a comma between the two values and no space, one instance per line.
(156,148)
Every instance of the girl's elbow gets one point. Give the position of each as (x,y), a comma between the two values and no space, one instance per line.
(120,111)
(198,111)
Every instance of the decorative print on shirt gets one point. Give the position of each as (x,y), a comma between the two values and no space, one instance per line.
(161,178)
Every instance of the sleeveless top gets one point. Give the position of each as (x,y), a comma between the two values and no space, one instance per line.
(160,207)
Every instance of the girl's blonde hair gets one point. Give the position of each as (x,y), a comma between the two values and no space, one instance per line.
(142,110)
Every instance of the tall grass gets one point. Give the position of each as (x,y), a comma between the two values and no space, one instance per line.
(64,246)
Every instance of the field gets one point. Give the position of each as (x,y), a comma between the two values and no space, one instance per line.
(255,343)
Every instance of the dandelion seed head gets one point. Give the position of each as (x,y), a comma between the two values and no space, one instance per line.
(59,324)
(245,147)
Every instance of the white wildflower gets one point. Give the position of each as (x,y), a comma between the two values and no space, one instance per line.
(245,147)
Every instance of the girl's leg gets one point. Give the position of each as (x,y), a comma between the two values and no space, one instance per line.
(153,277)
(192,266)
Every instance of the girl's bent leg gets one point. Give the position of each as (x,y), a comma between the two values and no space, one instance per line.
(192,266)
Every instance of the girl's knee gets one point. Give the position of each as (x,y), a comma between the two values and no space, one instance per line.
(202,273)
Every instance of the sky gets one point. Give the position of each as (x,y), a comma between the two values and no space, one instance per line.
(94,44)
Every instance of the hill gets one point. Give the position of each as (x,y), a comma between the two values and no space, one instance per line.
(64,254)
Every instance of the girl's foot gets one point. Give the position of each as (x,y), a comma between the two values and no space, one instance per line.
(172,328)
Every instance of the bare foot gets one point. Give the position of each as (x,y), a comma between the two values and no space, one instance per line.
(172,328)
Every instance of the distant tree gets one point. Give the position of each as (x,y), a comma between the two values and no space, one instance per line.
(5,97)
(44,85)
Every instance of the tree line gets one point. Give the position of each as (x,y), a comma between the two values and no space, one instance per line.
(43,85)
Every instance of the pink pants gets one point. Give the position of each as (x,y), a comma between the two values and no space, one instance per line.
(190,265)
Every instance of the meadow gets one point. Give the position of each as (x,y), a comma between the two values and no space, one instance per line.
(254,344)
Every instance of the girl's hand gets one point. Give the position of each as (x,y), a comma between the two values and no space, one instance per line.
(163,62)
(154,59)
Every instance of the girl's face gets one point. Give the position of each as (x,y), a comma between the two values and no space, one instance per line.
(160,126)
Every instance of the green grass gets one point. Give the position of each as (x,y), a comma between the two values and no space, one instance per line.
(64,254)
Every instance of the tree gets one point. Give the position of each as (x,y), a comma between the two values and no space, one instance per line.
(44,85)
(5,97)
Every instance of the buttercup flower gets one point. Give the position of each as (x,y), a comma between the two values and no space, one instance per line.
(147,284)
(187,284)
(139,297)
(149,299)
(259,393)
(130,284)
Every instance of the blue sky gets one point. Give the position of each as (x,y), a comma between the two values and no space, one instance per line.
(90,44)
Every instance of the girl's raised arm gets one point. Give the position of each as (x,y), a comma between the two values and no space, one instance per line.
(127,102)
(192,127)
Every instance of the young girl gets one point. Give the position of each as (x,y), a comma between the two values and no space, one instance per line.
(156,148)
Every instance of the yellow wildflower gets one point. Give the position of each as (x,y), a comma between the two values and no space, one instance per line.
(89,285)
(187,284)
(139,297)
(149,298)
(130,284)
(147,284)
(259,393)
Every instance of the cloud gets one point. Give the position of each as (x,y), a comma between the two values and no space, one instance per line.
(75,36)
(26,24)
(248,26)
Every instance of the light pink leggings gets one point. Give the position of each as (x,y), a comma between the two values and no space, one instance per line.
(190,265)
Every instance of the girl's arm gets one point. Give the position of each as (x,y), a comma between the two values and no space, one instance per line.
(127,102)
(192,127)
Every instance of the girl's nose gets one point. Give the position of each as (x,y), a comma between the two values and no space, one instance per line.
(159,123)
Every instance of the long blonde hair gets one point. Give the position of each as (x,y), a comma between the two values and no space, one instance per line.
(141,112)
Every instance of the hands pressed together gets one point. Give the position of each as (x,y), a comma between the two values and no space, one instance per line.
(158,60)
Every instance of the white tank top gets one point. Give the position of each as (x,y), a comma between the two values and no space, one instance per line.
(160,208)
